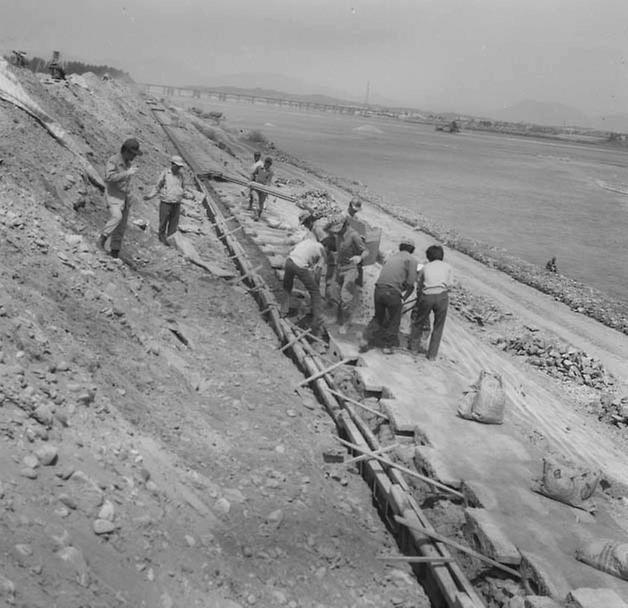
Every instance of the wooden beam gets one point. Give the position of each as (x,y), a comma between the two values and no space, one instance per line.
(294,340)
(322,372)
(415,559)
(365,407)
(378,452)
(456,545)
(406,470)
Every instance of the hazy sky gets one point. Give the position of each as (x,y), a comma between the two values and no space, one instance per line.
(464,55)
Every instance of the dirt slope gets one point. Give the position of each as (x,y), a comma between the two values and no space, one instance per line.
(153,452)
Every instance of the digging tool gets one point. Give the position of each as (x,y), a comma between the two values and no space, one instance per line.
(455,545)
(365,407)
(406,470)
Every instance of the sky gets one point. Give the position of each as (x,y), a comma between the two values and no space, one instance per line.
(470,56)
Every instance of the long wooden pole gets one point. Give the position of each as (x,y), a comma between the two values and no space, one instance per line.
(365,407)
(406,470)
(415,559)
(455,545)
(295,339)
(364,457)
(321,373)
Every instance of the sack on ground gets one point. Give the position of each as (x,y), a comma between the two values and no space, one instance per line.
(485,401)
(606,555)
(568,483)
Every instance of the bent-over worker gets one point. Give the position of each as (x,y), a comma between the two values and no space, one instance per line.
(118,173)
(393,286)
(434,282)
(170,187)
(305,262)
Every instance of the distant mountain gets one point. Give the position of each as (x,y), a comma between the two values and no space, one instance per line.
(543,113)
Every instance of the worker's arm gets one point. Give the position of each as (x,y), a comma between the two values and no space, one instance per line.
(157,187)
(411,277)
(361,247)
(114,174)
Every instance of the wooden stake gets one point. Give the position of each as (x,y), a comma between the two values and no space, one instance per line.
(379,452)
(401,468)
(295,340)
(230,232)
(455,545)
(321,373)
(366,407)
(246,276)
(415,559)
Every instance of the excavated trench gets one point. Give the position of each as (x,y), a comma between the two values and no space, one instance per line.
(451,578)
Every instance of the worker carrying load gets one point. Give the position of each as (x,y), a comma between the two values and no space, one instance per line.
(264,176)
(394,286)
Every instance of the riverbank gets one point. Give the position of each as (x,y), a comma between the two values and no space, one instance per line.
(580,298)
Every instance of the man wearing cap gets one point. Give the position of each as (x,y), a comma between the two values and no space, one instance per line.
(350,252)
(258,163)
(394,285)
(263,175)
(170,187)
(118,173)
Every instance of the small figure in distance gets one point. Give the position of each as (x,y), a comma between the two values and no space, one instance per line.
(170,187)
(118,181)
(551,265)
(434,282)
(263,175)
(257,164)
(392,288)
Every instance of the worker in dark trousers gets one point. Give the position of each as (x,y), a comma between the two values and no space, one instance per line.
(263,175)
(435,280)
(394,285)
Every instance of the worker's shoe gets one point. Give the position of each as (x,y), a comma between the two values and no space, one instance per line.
(102,239)
(114,253)
(164,240)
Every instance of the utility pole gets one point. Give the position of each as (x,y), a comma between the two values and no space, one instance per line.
(368,90)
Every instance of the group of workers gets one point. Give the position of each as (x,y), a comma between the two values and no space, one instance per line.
(333,244)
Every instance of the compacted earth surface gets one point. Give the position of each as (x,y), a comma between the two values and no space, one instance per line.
(153,450)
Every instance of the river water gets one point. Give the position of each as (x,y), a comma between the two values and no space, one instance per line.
(534,198)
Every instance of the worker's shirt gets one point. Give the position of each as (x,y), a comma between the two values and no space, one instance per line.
(308,254)
(263,175)
(117,181)
(399,272)
(170,187)
(258,164)
(348,244)
(436,277)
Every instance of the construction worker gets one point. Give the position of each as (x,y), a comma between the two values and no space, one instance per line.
(394,286)
(263,175)
(551,265)
(257,164)
(350,252)
(118,177)
(434,281)
(170,186)
(305,262)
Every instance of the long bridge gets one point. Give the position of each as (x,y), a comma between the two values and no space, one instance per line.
(161,90)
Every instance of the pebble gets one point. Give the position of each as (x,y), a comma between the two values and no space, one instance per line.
(24,550)
(2,490)
(102,526)
(190,540)
(68,501)
(7,589)
(107,511)
(63,366)
(166,600)
(47,454)
(30,461)
(222,506)
(275,517)
(247,551)
(291,413)
(44,415)
(28,472)
(151,486)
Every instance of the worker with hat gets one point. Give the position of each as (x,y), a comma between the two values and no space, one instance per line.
(394,286)
(170,187)
(350,253)
(119,172)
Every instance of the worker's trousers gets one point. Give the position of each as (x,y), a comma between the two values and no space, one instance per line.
(116,226)
(168,218)
(427,303)
(383,329)
(345,290)
(307,277)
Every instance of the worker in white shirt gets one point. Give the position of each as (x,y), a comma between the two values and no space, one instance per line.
(305,262)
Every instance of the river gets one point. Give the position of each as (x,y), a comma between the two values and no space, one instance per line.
(535,198)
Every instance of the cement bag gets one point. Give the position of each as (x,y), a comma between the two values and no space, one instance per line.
(485,401)
(568,483)
(606,555)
